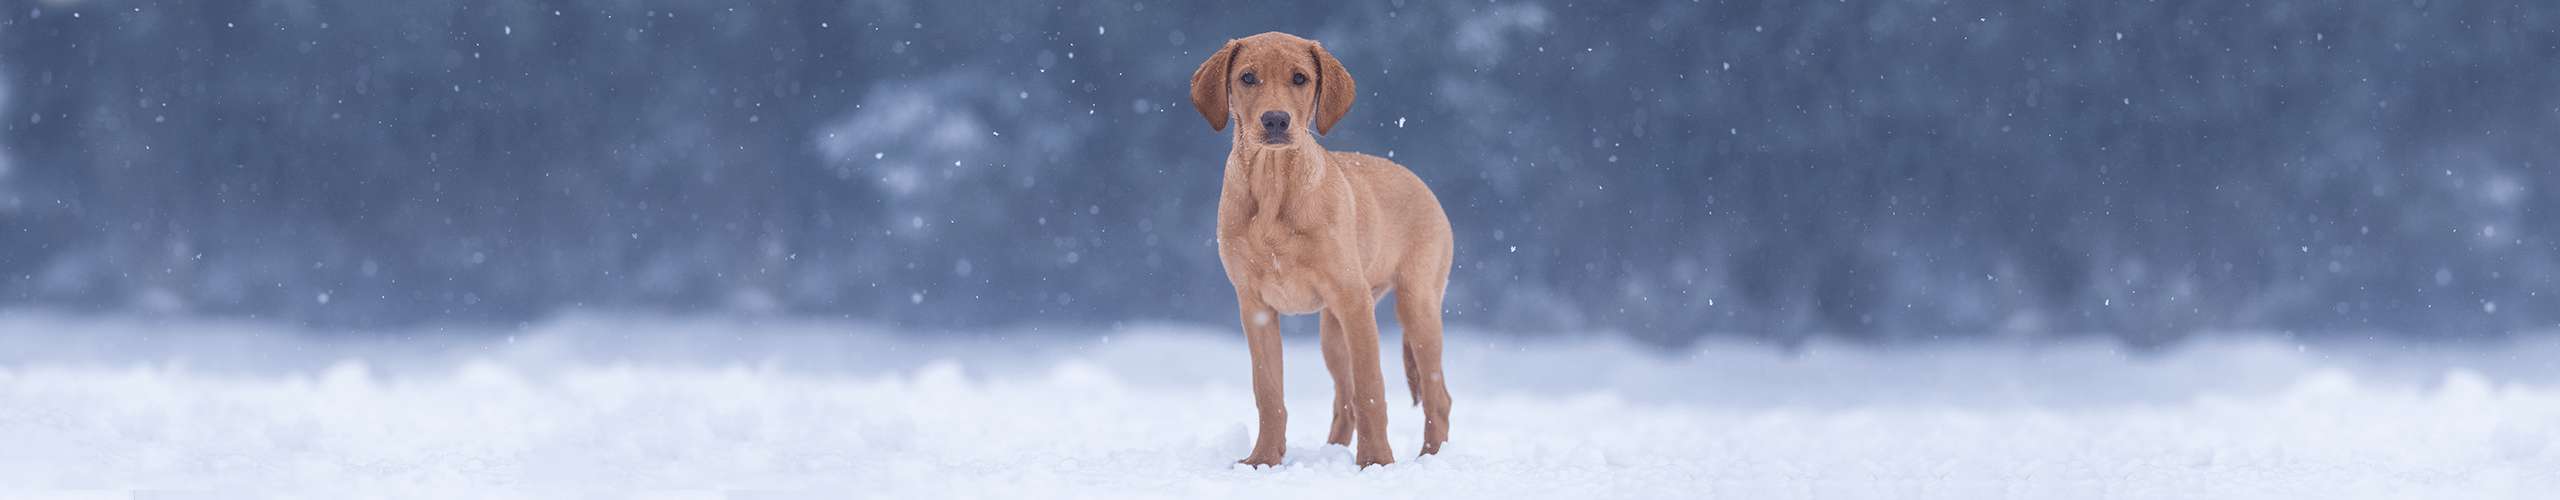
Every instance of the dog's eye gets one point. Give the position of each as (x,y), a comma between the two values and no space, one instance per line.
(1249,79)
(1298,79)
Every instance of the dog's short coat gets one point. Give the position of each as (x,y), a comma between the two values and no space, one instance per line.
(1303,230)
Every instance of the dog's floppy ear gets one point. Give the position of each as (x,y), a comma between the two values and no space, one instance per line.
(1334,90)
(1209,84)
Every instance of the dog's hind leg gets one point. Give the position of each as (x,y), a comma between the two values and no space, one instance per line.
(1337,359)
(1418,309)
(1412,384)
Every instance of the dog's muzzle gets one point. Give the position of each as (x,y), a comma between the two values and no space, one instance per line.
(1275,127)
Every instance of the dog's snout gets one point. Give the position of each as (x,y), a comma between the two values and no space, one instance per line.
(1275,121)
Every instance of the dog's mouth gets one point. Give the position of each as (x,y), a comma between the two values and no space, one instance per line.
(1275,138)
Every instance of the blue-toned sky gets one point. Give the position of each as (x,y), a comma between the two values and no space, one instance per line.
(1892,170)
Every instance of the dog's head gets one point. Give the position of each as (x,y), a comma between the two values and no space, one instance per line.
(1276,83)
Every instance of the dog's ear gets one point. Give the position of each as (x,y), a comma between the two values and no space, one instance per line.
(1209,84)
(1334,90)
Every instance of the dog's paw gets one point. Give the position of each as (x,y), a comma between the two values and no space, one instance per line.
(1373,452)
(1260,460)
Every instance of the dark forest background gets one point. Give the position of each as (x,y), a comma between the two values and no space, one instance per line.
(1882,170)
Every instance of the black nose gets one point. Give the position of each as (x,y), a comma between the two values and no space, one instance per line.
(1275,121)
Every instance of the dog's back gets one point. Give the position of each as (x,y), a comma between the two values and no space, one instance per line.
(1404,223)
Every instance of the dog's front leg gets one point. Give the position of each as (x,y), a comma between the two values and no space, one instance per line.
(1354,307)
(1262,339)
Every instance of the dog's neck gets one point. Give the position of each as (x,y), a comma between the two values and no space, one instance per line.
(1275,175)
(1303,162)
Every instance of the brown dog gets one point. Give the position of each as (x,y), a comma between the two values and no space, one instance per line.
(1303,230)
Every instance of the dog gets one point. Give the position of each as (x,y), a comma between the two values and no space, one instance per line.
(1303,230)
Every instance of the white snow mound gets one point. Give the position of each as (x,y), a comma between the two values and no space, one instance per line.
(619,406)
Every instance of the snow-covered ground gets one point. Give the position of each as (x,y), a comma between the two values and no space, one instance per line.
(623,406)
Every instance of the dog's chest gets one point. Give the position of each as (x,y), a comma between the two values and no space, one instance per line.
(1275,246)
(1279,260)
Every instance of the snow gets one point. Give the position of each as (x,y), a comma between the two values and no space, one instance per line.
(632,405)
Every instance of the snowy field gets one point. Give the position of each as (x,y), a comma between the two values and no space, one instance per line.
(635,406)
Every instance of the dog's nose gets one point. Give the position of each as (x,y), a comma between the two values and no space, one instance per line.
(1275,121)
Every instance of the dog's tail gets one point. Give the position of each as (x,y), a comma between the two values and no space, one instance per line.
(1412,379)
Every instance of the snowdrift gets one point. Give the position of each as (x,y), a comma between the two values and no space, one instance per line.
(688,407)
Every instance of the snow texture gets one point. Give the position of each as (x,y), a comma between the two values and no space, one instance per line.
(635,406)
